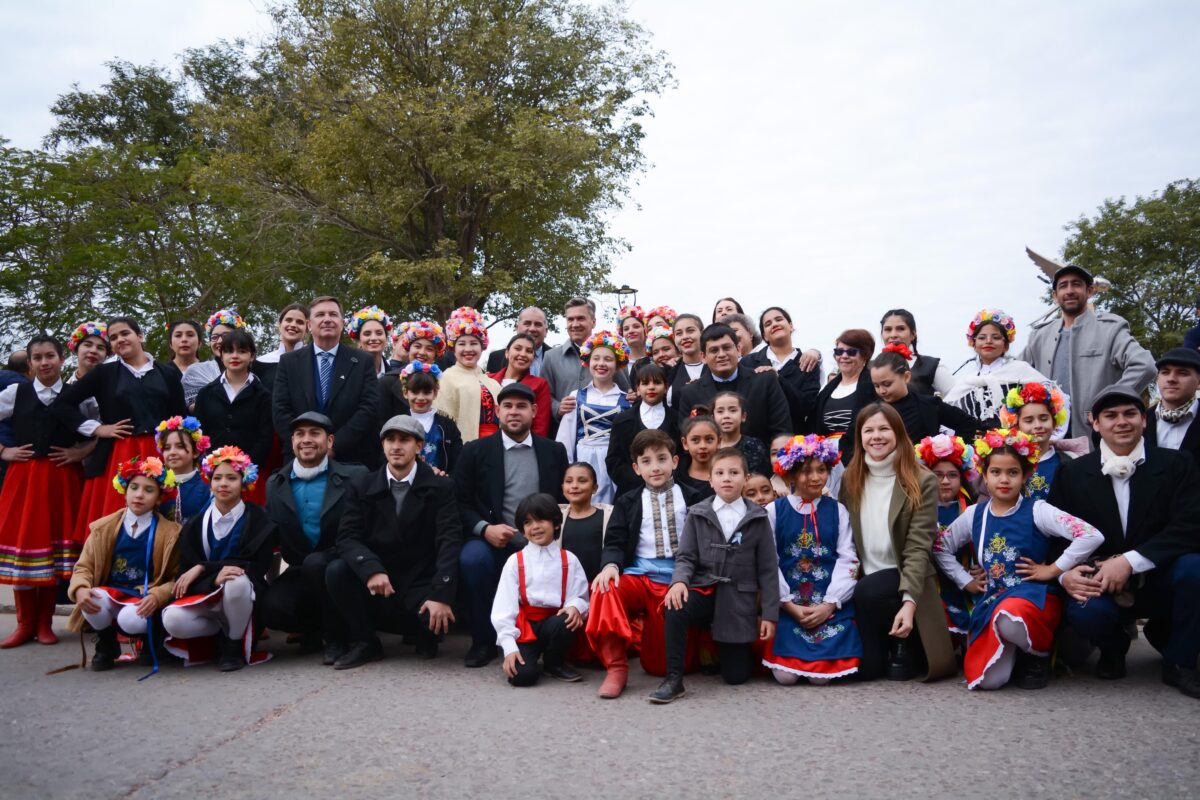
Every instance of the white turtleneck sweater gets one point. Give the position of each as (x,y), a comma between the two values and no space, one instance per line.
(877,550)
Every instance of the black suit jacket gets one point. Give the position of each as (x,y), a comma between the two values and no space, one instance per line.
(864,394)
(924,415)
(800,388)
(242,423)
(498,359)
(255,551)
(766,408)
(353,403)
(1191,439)
(418,549)
(1164,504)
(625,526)
(479,478)
(627,425)
(281,508)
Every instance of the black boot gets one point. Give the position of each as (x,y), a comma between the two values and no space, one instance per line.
(1034,672)
(107,650)
(1111,665)
(229,654)
(901,667)
(670,690)
(334,649)
(359,653)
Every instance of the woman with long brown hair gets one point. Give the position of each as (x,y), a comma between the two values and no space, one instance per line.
(892,502)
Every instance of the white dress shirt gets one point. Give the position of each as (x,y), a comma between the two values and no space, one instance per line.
(1121,491)
(232,391)
(652,416)
(729,515)
(693,370)
(8,397)
(645,546)
(139,372)
(222,524)
(139,521)
(543,589)
(1170,434)
(510,443)
(778,363)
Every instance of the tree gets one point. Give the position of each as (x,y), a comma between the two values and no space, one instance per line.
(1150,251)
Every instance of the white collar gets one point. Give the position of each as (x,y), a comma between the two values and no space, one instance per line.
(232,517)
(424,417)
(225,381)
(332,351)
(412,473)
(42,389)
(142,520)
(730,379)
(1049,452)
(778,362)
(1188,415)
(738,504)
(609,392)
(550,549)
(510,443)
(1011,511)
(184,478)
(304,473)
(801,505)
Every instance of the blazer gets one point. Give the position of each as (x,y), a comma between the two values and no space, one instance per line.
(1191,438)
(767,414)
(625,526)
(281,508)
(242,422)
(255,551)
(498,359)
(353,401)
(627,425)
(541,392)
(864,395)
(912,531)
(479,478)
(418,549)
(1164,504)
(800,388)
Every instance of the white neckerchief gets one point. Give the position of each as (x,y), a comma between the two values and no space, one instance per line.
(308,473)
(1121,467)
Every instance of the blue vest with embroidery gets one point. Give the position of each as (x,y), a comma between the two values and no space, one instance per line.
(431,450)
(128,569)
(595,421)
(1038,483)
(956,602)
(194,495)
(227,547)
(999,546)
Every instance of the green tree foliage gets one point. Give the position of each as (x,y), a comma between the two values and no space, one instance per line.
(1150,251)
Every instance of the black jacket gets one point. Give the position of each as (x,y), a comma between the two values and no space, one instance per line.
(243,423)
(281,508)
(766,408)
(479,477)
(625,526)
(353,401)
(417,549)
(255,551)
(864,394)
(627,425)
(800,388)
(1191,439)
(925,415)
(1164,504)
(498,359)
(392,403)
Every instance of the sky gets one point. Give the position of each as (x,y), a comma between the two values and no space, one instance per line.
(837,159)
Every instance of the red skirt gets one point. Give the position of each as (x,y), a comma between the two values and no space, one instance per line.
(1040,625)
(38,507)
(637,597)
(99,497)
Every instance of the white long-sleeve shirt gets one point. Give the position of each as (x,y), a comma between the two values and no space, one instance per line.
(1051,521)
(845,570)
(543,589)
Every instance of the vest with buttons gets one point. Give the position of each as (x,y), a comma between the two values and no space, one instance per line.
(32,423)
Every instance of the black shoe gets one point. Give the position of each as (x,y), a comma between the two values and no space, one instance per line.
(1035,671)
(427,647)
(480,655)
(107,650)
(1189,682)
(229,654)
(564,673)
(359,653)
(333,651)
(310,643)
(1111,665)
(901,667)
(670,690)
(410,639)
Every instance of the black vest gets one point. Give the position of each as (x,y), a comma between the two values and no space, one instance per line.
(32,423)
(923,370)
(146,397)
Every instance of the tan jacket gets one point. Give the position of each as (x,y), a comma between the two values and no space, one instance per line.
(91,570)
(459,397)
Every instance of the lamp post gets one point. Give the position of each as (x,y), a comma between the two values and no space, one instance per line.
(626,296)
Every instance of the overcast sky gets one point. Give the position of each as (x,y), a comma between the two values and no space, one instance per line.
(836,158)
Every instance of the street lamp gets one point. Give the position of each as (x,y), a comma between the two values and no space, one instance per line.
(626,296)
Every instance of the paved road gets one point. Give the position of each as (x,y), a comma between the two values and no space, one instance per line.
(402,727)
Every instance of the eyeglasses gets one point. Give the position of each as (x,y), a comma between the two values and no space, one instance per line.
(852,352)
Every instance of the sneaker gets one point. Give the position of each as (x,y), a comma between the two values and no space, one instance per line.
(670,690)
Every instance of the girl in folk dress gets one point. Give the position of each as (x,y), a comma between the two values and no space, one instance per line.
(468,394)
(370,330)
(1041,410)
(443,442)
(585,430)
(181,445)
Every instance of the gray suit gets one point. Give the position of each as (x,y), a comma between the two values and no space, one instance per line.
(565,373)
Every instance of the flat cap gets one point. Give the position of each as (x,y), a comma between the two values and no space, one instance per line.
(312,418)
(403,423)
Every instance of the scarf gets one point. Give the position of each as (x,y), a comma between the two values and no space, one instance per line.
(657,498)
(1121,467)
(308,473)
(1175,414)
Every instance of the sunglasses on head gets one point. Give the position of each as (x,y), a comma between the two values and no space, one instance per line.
(846,351)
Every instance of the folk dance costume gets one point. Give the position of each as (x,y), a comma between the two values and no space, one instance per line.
(442,443)
(816,569)
(468,396)
(585,432)
(1012,613)
(956,601)
(1037,485)
(191,501)
(1047,394)
(536,584)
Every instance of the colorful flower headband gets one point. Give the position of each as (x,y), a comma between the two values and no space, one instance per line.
(97,329)
(152,468)
(666,312)
(953,449)
(1047,394)
(659,332)
(399,331)
(423,329)
(414,367)
(225,316)
(190,426)
(605,339)
(996,317)
(465,313)
(637,312)
(234,457)
(901,348)
(802,448)
(996,438)
(365,315)
(458,328)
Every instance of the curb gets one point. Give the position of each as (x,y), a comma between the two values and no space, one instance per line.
(59,611)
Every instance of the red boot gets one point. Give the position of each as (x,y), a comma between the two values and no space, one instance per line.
(612,655)
(26,602)
(46,597)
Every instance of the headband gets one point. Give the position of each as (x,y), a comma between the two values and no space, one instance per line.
(953,449)
(659,332)
(1046,393)
(87,329)
(1005,437)
(225,316)
(666,312)
(413,367)
(802,448)
(463,326)
(995,316)
(146,467)
(190,426)
(423,329)
(234,457)
(637,312)
(605,339)
(365,315)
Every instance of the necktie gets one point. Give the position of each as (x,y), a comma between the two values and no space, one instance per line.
(399,492)
(324,375)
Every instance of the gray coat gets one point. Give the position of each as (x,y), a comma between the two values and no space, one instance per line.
(1103,352)
(565,373)
(739,572)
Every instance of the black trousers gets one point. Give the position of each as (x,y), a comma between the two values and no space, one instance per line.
(737,659)
(876,603)
(364,613)
(298,601)
(553,640)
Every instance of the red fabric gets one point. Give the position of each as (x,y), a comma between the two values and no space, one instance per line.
(203,649)
(526,613)
(834,668)
(257,495)
(1041,623)
(99,497)
(39,505)
(541,394)
(636,596)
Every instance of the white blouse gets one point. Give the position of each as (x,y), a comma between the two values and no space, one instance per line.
(543,588)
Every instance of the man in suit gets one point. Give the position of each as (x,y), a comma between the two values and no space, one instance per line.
(562,367)
(1146,502)
(398,546)
(532,320)
(306,499)
(492,476)
(1172,422)
(767,413)
(333,379)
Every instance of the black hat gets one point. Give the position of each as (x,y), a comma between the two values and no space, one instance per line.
(1116,395)
(516,390)
(1071,268)
(312,418)
(1180,357)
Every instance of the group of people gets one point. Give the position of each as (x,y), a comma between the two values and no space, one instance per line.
(691,492)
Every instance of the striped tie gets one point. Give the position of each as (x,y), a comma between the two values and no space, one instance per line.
(324,375)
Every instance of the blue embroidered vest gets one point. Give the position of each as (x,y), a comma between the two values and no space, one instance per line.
(999,546)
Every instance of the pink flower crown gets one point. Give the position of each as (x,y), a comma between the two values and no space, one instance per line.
(365,315)
(605,339)
(666,312)
(190,426)
(953,449)
(423,329)
(659,332)
(637,312)
(803,448)
(226,316)
(996,438)
(97,329)
(1047,394)
(996,316)
(413,367)
(234,457)
(465,312)
(458,328)
(152,468)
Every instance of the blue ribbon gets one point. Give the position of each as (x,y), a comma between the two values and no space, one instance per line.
(145,592)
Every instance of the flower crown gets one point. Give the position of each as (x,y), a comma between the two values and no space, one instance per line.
(995,316)
(901,348)
(605,339)
(666,312)
(802,448)
(996,438)
(234,457)
(365,315)
(953,449)
(414,367)
(1046,393)
(190,426)
(466,326)
(423,329)
(637,312)
(152,468)
(226,316)
(659,332)
(465,312)
(85,330)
